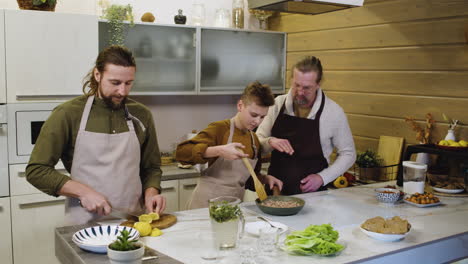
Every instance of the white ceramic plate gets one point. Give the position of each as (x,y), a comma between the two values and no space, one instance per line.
(421,205)
(96,238)
(253,228)
(384,237)
(442,190)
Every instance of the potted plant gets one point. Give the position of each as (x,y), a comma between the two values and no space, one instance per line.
(44,5)
(369,165)
(125,250)
(116,15)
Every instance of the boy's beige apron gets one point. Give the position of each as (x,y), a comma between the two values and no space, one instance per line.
(108,163)
(223,177)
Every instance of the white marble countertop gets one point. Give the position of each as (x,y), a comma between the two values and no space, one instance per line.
(346,209)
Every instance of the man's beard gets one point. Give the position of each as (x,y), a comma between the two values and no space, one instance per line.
(115,106)
(301,101)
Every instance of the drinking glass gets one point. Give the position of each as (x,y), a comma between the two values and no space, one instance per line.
(267,240)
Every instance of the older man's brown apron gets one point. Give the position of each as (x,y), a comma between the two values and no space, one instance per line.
(108,163)
(222,178)
(304,136)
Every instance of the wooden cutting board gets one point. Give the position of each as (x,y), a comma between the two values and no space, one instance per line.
(165,221)
(389,150)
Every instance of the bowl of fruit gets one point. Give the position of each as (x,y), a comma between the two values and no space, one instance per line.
(453,145)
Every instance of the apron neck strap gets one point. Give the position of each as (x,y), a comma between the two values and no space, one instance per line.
(86,111)
(231,133)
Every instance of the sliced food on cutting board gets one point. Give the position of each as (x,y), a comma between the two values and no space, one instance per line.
(149,227)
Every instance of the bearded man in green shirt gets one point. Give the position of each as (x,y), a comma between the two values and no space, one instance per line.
(106,141)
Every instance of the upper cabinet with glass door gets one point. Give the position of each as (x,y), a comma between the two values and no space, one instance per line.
(230,59)
(165,57)
(2,58)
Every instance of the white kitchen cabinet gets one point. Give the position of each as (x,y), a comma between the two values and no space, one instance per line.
(34,218)
(170,190)
(2,58)
(6,251)
(48,54)
(186,187)
(18,183)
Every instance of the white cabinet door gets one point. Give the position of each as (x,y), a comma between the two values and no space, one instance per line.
(49,53)
(186,187)
(170,190)
(18,183)
(6,251)
(2,58)
(34,219)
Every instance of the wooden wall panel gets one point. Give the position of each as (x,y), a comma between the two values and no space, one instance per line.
(399,106)
(369,126)
(371,14)
(437,58)
(363,143)
(434,83)
(388,60)
(430,32)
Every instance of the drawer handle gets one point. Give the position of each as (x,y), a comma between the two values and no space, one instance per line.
(30,203)
(23,173)
(168,189)
(187,186)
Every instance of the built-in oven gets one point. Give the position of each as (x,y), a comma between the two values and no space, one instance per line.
(4,183)
(24,124)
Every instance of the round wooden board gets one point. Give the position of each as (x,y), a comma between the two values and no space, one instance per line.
(164,221)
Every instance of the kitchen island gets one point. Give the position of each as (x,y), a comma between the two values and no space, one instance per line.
(438,234)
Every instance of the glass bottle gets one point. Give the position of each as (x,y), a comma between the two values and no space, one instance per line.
(198,14)
(180,19)
(238,13)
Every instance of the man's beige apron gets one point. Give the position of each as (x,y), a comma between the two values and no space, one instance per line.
(108,163)
(223,177)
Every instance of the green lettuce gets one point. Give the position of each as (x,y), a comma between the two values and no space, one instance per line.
(315,239)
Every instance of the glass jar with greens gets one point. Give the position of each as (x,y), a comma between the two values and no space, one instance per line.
(227,221)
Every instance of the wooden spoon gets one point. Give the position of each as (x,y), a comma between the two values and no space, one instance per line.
(258,185)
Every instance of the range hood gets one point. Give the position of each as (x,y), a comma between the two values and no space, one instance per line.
(304,6)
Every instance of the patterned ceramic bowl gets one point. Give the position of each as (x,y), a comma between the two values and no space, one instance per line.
(95,239)
(387,195)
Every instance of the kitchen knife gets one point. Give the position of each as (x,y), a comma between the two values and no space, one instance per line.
(122,214)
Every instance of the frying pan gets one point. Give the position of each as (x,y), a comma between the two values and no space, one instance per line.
(280,211)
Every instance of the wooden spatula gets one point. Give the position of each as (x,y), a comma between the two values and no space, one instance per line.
(258,185)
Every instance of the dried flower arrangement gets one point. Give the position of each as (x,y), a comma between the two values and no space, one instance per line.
(423,135)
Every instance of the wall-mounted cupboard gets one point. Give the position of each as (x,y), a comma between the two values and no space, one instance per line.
(47,54)
(174,59)
(3,99)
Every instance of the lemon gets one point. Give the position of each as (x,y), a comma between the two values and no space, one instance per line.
(145,218)
(156,232)
(143,227)
(455,144)
(451,141)
(443,143)
(154,216)
(463,143)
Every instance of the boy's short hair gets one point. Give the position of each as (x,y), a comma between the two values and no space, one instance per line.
(259,93)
